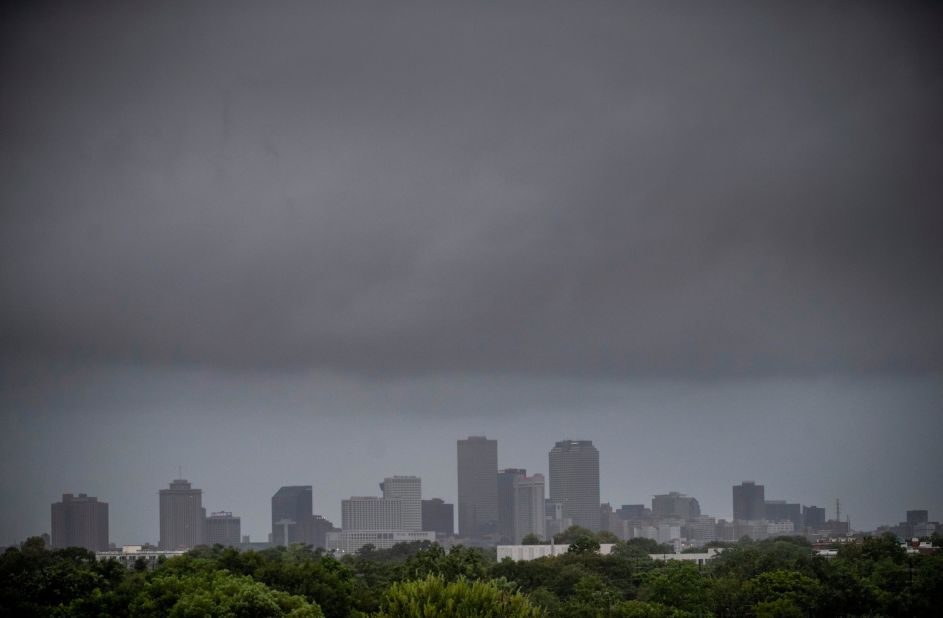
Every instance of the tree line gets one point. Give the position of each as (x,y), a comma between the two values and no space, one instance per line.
(772,578)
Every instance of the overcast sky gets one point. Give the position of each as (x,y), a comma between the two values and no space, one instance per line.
(316,243)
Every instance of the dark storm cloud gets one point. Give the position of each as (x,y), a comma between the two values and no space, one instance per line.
(585,189)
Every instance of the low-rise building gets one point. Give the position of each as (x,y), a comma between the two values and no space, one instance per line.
(519,553)
(129,555)
(350,541)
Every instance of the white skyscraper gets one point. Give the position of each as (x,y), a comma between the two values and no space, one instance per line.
(407,489)
(529,507)
(371,513)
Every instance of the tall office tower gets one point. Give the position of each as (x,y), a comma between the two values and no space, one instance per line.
(80,521)
(506,501)
(371,513)
(528,507)
(222,529)
(749,501)
(813,517)
(477,486)
(438,516)
(574,481)
(408,489)
(292,507)
(674,504)
(917,517)
(780,510)
(181,516)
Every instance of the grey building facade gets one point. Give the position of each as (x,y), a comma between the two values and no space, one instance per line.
(506,497)
(181,516)
(529,507)
(674,504)
(223,528)
(408,489)
(574,481)
(813,517)
(292,507)
(80,521)
(477,486)
(780,510)
(749,501)
(438,516)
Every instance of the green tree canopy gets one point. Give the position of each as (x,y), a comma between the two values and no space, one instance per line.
(433,597)
(217,593)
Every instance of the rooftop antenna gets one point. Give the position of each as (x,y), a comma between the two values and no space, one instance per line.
(837,510)
(180,472)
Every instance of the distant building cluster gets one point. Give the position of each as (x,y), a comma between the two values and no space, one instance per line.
(507,507)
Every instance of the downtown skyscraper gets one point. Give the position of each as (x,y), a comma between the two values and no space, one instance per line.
(574,481)
(80,521)
(408,489)
(181,516)
(749,501)
(292,508)
(477,486)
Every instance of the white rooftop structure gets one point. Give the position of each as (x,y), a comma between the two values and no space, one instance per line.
(518,553)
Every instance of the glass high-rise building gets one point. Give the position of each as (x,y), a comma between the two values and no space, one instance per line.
(574,481)
(477,486)
(292,508)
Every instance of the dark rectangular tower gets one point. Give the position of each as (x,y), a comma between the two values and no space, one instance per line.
(80,521)
(749,501)
(477,486)
(292,507)
(438,516)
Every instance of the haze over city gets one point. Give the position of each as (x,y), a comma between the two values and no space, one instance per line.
(318,244)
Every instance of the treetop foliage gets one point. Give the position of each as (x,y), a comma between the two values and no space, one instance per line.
(777,577)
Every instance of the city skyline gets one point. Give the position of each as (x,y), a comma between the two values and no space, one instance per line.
(318,245)
(393,510)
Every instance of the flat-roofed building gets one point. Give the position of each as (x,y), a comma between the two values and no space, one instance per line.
(181,516)
(438,516)
(350,541)
(529,507)
(223,528)
(477,486)
(371,513)
(80,521)
(292,507)
(780,510)
(408,489)
(749,501)
(506,480)
(674,504)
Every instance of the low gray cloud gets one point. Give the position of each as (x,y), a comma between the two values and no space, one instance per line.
(569,189)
